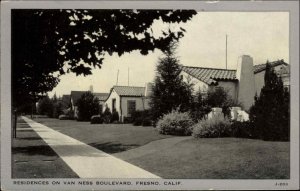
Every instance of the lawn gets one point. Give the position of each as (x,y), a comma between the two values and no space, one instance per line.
(218,158)
(206,158)
(110,138)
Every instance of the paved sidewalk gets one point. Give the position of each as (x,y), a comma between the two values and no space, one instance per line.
(84,160)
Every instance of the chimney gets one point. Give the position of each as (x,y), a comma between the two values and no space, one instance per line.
(246,84)
(148,89)
(91,89)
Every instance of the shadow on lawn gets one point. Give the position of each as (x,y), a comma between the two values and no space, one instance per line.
(34,150)
(110,148)
(29,138)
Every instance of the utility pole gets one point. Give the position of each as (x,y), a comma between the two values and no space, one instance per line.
(128,76)
(117,77)
(226,51)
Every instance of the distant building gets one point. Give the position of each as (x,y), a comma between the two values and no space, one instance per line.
(65,100)
(76,95)
(102,98)
(127,99)
(241,84)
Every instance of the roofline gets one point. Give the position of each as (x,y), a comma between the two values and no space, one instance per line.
(111,90)
(131,95)
(209,68)
(278,61)
(130,86)
(197,78)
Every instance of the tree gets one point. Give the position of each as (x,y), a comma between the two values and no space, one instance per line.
(218,97)
(169,91)
(57,109)
(88,105)
(270,113)
(199,107)
(45,106)
(50,43)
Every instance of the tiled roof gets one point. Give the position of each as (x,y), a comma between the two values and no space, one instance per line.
(260,67)
(210,75)
(129,91)
(101,96)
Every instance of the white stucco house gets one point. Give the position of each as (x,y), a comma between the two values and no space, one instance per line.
(241,84)
(127,99)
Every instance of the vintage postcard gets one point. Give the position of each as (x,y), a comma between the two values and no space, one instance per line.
(149,95)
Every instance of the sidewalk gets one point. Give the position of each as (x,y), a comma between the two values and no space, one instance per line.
(84,160)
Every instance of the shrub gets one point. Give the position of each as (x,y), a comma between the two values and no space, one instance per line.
(217,126)
(63,117)
(141,118)
(88,105)
(175,123)
(96,119)
(147,122)
(70,114)
(138,121)
(107,115)
(114,117)
(243,129)
(128,120)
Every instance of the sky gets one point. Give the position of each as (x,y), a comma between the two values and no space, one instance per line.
(262,35)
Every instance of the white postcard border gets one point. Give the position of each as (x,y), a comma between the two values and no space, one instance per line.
(192,184)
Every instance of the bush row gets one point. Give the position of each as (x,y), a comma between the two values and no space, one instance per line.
(177,123)
(106,117)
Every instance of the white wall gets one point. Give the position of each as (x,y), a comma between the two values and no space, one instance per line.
(230,87)
(108,102)
(140,104)
(197,83)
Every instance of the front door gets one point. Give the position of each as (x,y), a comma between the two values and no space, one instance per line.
(113,105)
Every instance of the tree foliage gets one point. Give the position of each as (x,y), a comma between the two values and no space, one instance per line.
(219,97)
(88,105)
(169,91)
(49,43)
(45,106)
(271,110)
(199,107)
(57,109)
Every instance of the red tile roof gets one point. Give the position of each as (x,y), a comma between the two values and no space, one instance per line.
(210,75)
(129,91)
(261,67)
(213,75)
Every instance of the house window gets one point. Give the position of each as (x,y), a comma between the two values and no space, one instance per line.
(131,107)
(113,105)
